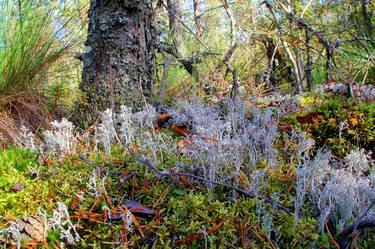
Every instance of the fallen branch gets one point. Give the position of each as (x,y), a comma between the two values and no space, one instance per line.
(344,241)
(99,169)
(347,234)
(165,173)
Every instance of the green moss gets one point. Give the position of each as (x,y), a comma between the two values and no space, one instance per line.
(184,211)
(15,167)
(359,116)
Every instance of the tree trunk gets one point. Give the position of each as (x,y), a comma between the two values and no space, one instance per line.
(309,60)
(197,18)
(367,17)
(117,64)
(278,69)
(329,55)
(301,84)
(175,27)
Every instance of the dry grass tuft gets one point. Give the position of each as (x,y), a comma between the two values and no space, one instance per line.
(27,109)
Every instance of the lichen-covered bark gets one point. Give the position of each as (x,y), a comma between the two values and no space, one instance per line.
(117,64)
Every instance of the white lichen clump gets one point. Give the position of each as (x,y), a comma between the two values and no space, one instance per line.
(27,139)
(60,220)
(105,132)
(341,190)
(61,139)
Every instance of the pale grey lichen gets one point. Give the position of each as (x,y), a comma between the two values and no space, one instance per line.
(61,138)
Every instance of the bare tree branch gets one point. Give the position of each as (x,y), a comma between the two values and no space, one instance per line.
(233,39)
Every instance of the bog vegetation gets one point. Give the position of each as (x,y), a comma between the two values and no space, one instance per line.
(259,132)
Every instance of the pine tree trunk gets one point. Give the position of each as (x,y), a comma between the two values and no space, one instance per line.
(117,64)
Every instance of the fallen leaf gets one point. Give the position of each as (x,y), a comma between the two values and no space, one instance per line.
(310,118)
(181,146)
(181,130)
(138,209)
(17,187)
(354,121)
(284,127)
(162,119)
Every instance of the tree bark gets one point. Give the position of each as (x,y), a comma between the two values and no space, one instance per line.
(175,27)
(329,56)
(301,85)
(309,60)
(367,17)
(197,18)
(277,63)
(117,64)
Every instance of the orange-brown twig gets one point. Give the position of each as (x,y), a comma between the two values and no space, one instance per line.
(199,235)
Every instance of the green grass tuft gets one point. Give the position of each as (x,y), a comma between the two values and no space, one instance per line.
(29,44)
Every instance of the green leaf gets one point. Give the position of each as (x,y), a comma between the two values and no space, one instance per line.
(178,192)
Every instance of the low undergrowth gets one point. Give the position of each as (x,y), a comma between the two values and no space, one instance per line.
(341,124)
(199,176)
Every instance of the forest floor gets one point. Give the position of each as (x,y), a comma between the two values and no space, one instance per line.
(173,185)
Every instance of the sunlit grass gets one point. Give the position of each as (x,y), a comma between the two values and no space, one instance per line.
(30,42)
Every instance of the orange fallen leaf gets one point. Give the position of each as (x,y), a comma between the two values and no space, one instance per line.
(354,121)
(181,146)
(162,119)
(181,130)
(284,127)
(311,118)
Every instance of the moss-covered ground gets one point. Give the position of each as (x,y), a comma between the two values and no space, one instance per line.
(184,213)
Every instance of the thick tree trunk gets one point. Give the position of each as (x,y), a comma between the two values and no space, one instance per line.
(117,64)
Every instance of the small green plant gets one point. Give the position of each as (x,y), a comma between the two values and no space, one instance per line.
(38,182)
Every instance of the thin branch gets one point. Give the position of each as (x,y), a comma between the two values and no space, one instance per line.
(304,9)
(189,61)
(99,169)
(270,65)
(236,81)
(358,224)
(165,173)
(188,29)
(164,82)
(325,42)
(233,44)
